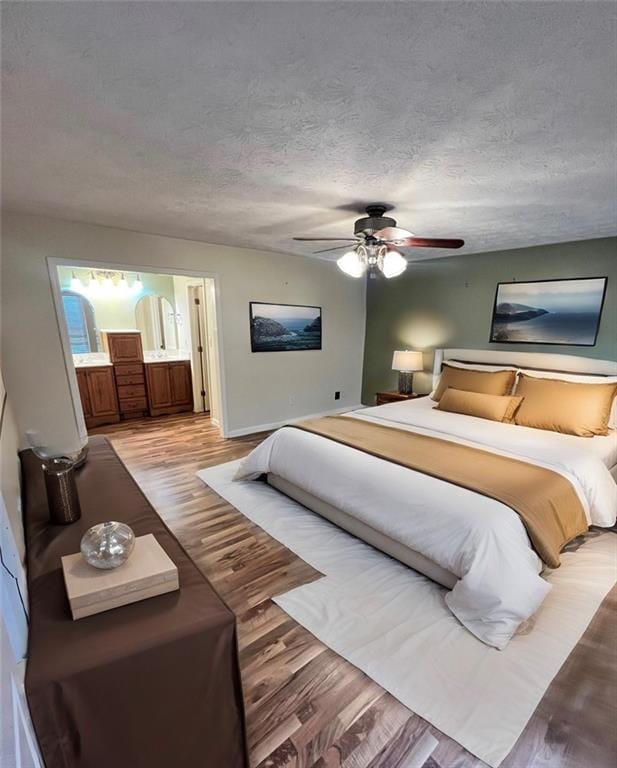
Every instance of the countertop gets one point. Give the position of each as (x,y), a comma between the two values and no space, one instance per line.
(172,357)
(98,359)
(92,360)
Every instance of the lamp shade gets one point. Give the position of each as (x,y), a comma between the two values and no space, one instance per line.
(407,360)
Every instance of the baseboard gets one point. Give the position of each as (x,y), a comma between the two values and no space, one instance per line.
(276,424)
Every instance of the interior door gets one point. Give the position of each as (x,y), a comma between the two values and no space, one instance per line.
(102,392)
(199,351)
(82,383)
(159,385)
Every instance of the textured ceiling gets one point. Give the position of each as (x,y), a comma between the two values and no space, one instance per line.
(248,123)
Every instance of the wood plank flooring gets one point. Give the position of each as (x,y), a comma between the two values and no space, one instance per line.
(306,706)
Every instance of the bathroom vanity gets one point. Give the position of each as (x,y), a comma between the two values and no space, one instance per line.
(125,383)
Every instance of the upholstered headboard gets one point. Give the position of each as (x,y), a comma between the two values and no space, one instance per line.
(542,361)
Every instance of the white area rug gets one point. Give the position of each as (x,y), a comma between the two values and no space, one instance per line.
(393,624)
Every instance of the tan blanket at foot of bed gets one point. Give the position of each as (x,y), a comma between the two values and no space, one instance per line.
(546,502)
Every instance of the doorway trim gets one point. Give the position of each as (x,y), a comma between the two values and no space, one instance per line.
(53,262)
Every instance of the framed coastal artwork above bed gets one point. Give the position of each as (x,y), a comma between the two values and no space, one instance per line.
(284,327)
(564,311)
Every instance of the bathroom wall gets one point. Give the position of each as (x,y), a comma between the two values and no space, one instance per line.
(115,311)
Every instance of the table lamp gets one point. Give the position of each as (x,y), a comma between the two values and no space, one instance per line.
(406,362)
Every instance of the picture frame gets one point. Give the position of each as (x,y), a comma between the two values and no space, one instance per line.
(276,327)
(560,311)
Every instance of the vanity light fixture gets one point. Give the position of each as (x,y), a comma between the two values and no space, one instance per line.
(107,284)
(76,284)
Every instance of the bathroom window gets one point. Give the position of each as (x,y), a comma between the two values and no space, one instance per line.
(80,323)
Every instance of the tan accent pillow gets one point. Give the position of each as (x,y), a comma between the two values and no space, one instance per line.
(565,406)
(493,407)
(487,382)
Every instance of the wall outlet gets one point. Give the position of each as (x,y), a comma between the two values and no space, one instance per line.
(337,395)
(292,399)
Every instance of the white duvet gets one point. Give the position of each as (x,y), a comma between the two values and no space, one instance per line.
(479,540)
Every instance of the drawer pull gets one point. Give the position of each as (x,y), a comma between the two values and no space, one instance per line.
(131,390)
(128,369)
(134,404)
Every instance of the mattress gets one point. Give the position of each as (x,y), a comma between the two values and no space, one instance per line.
(474,537)
(361,530)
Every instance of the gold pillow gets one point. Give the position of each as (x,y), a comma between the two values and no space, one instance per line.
(493,407)
(565,406)
(487,382)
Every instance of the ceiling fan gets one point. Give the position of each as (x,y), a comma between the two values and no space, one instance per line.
(376,239)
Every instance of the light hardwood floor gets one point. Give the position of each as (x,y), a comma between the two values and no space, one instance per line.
(307,707)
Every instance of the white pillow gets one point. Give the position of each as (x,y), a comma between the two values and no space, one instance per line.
(577,378)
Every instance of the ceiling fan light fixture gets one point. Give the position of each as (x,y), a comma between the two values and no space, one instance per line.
(393,264)
(376,237)
(352,264)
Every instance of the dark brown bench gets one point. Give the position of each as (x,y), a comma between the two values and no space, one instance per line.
(155,684)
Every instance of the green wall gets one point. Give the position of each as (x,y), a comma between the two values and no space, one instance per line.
(449,302)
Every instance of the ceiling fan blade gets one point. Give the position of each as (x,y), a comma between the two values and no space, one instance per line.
(429,242)
(326,239)
(393,233)
(336,248)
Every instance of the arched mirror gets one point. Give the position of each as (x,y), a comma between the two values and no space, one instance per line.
(80,323)
(156,319)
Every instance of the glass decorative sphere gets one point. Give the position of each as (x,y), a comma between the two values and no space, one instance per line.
(107,545)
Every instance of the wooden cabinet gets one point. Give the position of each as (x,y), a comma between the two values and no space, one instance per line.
(169,386)
(123,346)
(130,388)
(97,389)
(126,354)
(159,386)
(382,398)
(82,383)
(181,383)
(131,384)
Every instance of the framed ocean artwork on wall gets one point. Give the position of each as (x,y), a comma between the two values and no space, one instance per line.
(284,327)
(563,311)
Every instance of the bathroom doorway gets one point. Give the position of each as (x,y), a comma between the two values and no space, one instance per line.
(138,343)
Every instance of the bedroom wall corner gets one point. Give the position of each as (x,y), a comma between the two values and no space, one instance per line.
(448,302)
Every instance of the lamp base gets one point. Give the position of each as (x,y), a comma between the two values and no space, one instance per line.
(405,383)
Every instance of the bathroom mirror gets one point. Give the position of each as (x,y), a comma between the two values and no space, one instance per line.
(156,319)
(80,323)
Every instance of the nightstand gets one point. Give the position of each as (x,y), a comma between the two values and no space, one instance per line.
(381,398)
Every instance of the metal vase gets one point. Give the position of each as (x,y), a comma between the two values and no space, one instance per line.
(61,491)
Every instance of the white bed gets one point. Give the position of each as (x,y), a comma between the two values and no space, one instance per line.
(468,542)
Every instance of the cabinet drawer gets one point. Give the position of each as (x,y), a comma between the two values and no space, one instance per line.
(135,379)
(128,369)
(131,390)
(133,404)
